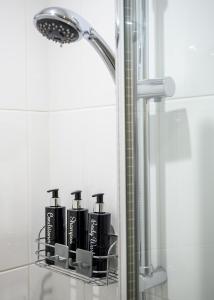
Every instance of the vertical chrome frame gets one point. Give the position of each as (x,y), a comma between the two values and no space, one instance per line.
(120,90)
(126,94)
(134,91)
(130,79)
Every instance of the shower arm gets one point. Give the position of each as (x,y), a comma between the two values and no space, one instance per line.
(147,88)
(102,49)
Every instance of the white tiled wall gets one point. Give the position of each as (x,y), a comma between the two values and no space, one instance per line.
(181,33)
(83,124)
(182,46)
(38,172)
(83,155)
(47,285)
(14,220)
(13,63)
(78,76)
(13,284)
(58,128)
(24,151)
(37,87)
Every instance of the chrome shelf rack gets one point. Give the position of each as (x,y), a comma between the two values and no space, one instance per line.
(82,269)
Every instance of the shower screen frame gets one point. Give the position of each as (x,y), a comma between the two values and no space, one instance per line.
(126,82)
(134,92)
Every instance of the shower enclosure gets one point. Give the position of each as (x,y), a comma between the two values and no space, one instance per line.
(58,128)
(166,127)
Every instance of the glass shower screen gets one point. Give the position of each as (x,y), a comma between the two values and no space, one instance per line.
(169,146)
(141,92)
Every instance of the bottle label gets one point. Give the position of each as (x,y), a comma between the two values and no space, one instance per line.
(50,221)
(72,223)
(93,235)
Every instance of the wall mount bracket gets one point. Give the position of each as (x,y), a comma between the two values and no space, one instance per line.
(156,88)
(157,277)
(147,89)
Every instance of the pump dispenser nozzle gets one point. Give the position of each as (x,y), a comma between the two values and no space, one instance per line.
(77,195)
(55,196)
(99,204)
(77,198)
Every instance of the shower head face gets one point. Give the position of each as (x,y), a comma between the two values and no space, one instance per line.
(57,31)
(60,25)
(64,26)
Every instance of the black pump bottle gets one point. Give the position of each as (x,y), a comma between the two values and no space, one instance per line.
(99,236)
(54,224)
(77,226)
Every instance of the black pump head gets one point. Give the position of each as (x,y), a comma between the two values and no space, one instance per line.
(99,197)
(55,193)
(77,195)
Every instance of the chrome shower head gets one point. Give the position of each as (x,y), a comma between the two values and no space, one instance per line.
(64,26)
(57,31)
(61,25)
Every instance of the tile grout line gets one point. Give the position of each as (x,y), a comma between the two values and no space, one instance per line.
(85,108)
(28,135)
(56,111)
(28,148)
(97,106)
(15,268)
(188,97)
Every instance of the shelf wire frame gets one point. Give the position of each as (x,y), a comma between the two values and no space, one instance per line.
(111,257)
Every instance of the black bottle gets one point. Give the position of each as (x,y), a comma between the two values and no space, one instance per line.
(77,226)
(54,224)
(99,236)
